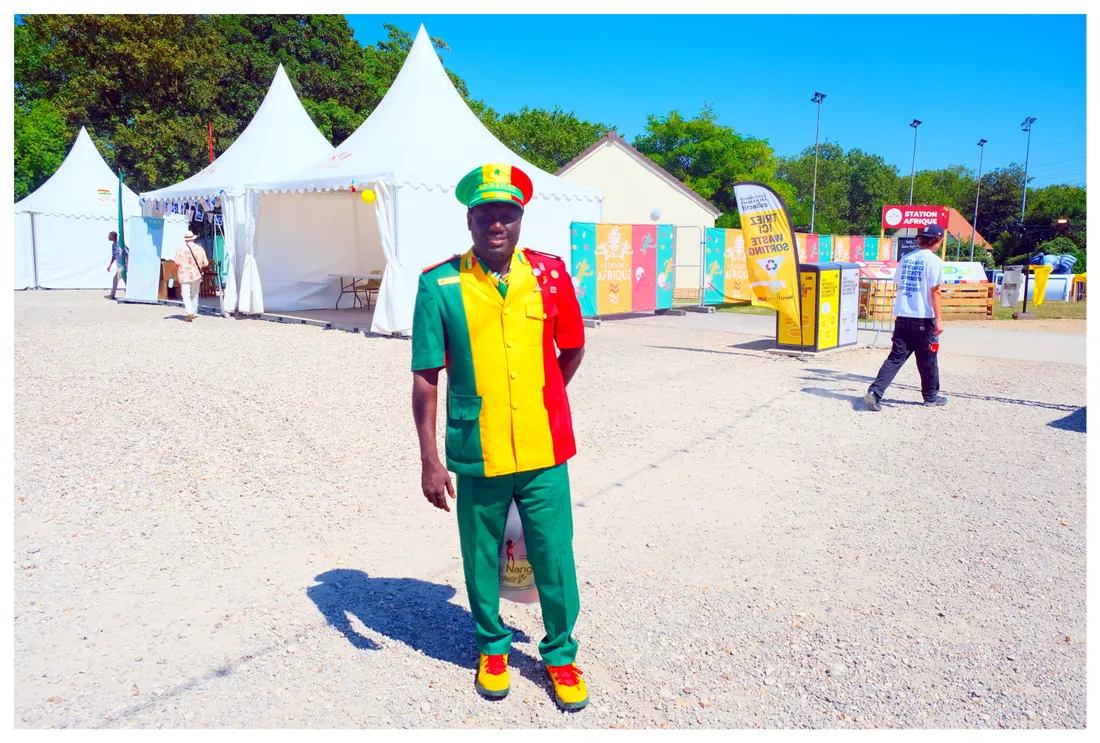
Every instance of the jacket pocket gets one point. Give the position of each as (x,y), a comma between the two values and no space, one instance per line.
(538,309)
(463,439)
(464,407)
(553,397)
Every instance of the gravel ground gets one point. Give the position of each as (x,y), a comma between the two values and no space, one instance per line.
(219,524)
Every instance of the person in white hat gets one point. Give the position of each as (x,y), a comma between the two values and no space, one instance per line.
(191,260)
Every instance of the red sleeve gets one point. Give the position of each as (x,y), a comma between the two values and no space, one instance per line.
(569,331)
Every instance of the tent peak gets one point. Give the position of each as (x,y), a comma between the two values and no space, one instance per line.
(281,79)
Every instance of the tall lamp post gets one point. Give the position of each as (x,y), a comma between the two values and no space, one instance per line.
(913,170)
(818,98)
(977,196)
(1026,126)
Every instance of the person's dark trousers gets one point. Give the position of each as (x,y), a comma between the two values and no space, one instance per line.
(911,336)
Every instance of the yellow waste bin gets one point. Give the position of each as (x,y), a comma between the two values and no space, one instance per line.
(830,309)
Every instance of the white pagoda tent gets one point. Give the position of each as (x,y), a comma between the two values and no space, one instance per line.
(61,229)
(281,139)
(412,151)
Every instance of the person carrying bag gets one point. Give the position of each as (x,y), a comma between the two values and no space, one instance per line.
(191,260)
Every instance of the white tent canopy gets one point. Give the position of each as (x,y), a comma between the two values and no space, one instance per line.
(412,150)
(61,229)
(280,140)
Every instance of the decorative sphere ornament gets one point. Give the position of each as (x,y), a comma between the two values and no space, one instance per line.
(655,214)
(367,196)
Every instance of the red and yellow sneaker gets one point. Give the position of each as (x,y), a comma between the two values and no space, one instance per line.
(492,675)
(569,689)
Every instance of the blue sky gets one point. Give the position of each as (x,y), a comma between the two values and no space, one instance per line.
(965,77)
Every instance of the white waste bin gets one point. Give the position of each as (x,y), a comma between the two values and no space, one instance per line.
(1011,285)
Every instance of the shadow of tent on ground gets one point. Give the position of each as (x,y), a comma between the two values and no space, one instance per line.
(1075,421)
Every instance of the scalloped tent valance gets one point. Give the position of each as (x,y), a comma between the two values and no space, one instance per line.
(280,139)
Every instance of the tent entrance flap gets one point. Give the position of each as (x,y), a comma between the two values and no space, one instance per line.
(304,241)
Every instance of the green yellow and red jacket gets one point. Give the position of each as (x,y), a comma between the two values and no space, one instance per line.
(507,410)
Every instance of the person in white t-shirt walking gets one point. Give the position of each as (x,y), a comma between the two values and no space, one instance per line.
(918,321)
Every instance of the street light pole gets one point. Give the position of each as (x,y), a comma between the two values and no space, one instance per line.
(913,169)
(1026,126)
(977,196)
(818,98)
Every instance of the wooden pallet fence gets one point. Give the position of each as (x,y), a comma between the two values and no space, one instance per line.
(876,299)
(973,301)
(969,301)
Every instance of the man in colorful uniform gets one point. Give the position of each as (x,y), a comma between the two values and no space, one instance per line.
(492,318)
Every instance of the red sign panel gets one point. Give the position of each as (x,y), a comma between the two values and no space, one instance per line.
(913,217)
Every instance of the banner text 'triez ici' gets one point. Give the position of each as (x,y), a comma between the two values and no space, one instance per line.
(771,253)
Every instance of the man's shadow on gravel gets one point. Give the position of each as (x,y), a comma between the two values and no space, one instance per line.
(856,401)
(415,612)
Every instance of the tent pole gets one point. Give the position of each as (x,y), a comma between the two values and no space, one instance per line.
(34,251)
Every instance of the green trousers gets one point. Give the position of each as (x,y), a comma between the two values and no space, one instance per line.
(542,498)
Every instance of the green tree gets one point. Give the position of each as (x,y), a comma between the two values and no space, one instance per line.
(324,62)
(709,158)
(999,210)
(1048,205)
(42,139)
(871,186)
(546,139)
(952,186)
(852,188)
(144,86)
(147,86)
(830,216)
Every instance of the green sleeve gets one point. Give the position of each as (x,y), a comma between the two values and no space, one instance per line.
(428,349)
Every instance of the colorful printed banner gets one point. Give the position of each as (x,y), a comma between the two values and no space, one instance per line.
(843,248)
(620,268)
(666,259)
(583,263)
(613,268)
(727,274)
(855,248)
(812,252)
(643,243)
(770,248)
